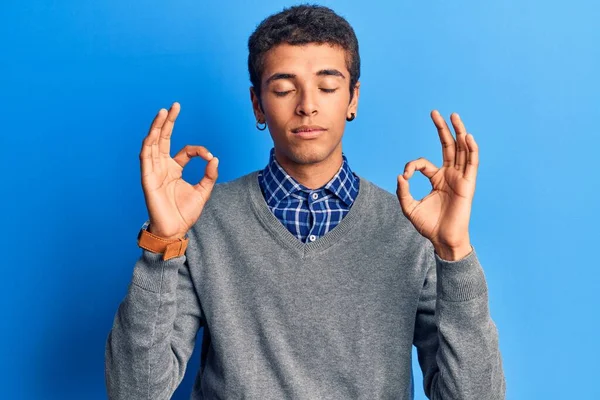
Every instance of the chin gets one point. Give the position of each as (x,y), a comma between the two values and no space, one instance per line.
(310,154)
(307,158)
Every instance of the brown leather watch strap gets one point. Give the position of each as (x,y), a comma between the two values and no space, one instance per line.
(169,248)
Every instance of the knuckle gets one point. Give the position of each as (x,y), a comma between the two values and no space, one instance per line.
(195,148)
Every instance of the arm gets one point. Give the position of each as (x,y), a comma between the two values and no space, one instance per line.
(455,337)
(154,330)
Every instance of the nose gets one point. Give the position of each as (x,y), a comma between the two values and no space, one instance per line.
(307,105)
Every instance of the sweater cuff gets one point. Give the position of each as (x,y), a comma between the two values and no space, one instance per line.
(460,280)
(154,274)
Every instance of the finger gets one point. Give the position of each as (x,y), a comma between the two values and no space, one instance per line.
(448,144)
(473,160)
(462,151)
(164,143)
(210,176)
(407,202)
(146,151)
(426,167)
(188,152)
(155,156)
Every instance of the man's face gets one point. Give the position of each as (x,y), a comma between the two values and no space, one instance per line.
(306,86)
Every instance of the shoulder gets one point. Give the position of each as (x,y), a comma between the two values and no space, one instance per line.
(386,215)
(380,198)
(236,189)
(230,196)
(228,204)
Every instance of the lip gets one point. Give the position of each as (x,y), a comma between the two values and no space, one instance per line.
(308,131)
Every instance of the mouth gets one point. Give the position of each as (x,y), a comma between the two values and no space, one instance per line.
(308,131)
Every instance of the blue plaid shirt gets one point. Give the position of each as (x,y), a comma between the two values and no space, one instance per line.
(308,213)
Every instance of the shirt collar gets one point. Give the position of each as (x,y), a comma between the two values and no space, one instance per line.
(278,184)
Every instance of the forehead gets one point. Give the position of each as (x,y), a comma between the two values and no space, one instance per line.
(304,60)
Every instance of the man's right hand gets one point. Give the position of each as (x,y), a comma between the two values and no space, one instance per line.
(173,204)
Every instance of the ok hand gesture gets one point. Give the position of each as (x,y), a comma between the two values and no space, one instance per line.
(173,204)
(443,215)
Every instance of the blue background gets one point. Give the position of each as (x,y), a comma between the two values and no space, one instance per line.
(80,82)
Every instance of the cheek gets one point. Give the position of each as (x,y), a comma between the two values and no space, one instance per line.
(278,113)
(338,110)
(339,103)
(277,107)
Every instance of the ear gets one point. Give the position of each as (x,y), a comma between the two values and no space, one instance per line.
(256,106)
(353,106)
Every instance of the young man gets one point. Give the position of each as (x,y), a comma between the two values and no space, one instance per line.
(310,281)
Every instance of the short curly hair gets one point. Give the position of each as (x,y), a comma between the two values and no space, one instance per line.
(298,25)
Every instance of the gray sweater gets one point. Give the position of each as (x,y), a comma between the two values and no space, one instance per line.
(331,319)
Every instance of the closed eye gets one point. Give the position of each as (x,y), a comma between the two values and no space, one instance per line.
(281,94)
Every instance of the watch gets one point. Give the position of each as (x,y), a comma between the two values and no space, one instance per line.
(170,248)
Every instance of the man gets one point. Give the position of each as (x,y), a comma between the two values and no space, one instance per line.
(310,281)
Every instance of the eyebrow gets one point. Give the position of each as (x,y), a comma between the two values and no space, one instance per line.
(323,72)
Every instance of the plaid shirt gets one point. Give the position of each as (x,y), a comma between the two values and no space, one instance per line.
(308,214)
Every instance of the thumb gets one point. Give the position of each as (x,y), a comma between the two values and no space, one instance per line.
(407,202)
(210,176)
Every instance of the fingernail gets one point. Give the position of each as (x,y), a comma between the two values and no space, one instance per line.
(210,155)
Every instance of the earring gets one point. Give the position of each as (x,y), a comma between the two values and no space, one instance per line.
(259,127)
(351,118)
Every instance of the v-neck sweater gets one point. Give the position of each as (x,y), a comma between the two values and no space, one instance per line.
(331,319)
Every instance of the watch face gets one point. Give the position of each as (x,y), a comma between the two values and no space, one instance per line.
(146,224)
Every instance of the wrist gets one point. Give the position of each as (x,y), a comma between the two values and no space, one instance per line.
(169,248)
(456,253)
(165,237)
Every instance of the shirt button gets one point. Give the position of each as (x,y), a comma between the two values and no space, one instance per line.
(315,196)
(312,238)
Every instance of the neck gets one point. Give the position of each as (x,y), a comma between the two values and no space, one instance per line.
(313,175)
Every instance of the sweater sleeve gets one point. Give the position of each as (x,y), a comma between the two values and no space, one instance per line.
(154,330)
(455,337)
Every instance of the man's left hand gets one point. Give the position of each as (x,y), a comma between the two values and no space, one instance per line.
(443,215)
